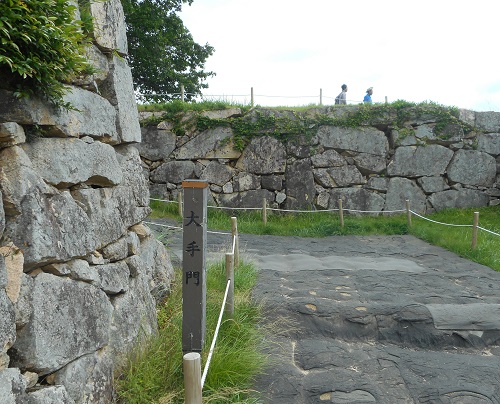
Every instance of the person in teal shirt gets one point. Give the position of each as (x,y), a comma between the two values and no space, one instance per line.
(368,96)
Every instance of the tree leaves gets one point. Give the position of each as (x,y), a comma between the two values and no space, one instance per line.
(162,53)
(41,46)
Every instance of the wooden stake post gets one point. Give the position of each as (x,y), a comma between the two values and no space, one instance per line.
(194,246)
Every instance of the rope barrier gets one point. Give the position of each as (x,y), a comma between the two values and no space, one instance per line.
(227,208)
(164,225)
(209,358)
(444,224)
(328,210)
(375,211)
(162,200)
(488,231)
(180,228)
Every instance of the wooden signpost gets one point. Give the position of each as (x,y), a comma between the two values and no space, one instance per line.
(194,286)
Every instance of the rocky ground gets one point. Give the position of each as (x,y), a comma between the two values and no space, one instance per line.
(387,319)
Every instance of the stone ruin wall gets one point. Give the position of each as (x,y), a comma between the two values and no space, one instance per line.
(371,168)
(80,274)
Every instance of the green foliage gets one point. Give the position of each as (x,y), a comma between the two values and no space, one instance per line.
(153,373)
(41,47)
(162,53)
(291,124)
(176,106)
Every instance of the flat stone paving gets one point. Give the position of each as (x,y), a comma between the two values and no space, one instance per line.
(386,319)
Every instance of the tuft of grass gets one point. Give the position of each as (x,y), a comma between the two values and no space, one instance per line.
(176,106)
(459,239)
(323,224)
(153,373)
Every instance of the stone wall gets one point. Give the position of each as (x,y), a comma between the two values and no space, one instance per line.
(80,274)
(372,167)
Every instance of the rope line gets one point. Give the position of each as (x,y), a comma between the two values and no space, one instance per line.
(227,208)
(444,224)
(488,231)
(326,210)
(180,228)
(375,211)
(214,340)
(162,200)
(164,225)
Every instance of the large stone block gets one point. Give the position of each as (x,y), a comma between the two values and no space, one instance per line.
(156,144)
(76,269)
(12,386)
(489,143)
(433,184)
(211,143)
(50,394)
(246,199)
(246,181)
(370,163)
(154,263)
(7,319)
(11,134)
(222,113)
(346,176)
(113,278)
(13,258)
(401,189)
(488,121)
(91,114)
(109,25)
(24,111)
(134,318)
(323,178)
(329,158)
(118,89)
(133,177)
(88,379)
(51,227)
(412,161)
(173,171)
(264,155)
(69,319)
(100,65)
(300,184)
(364,140)
(111,212)
(462,198)
(217,173)
(356,199)
(471,167)
(17,178)
(66,162)
(272,182)
(24,306)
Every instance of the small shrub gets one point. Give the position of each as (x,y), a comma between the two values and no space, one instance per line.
(41,47)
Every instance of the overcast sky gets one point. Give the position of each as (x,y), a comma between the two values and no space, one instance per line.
(287,50)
